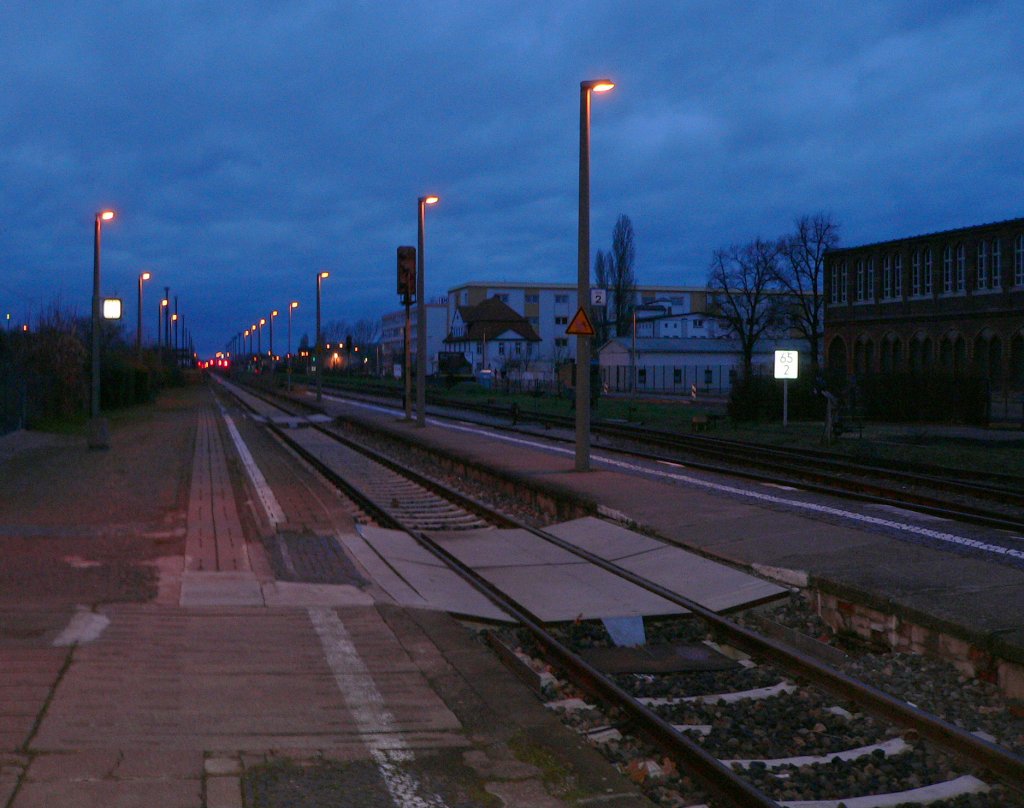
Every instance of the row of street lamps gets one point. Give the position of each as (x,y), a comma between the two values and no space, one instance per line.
(582,455)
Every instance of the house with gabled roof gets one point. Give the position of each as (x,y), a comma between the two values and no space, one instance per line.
(492,336)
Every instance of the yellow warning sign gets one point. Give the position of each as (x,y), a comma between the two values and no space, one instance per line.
(581,325)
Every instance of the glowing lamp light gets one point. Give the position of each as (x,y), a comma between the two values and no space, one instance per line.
(431,200)
(295,304)
(325,274)
(107,215)
(145,276)
(111,308)
(603,86)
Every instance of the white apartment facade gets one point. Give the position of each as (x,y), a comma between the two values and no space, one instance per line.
(549,307)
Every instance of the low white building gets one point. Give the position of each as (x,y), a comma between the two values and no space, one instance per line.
(680,365)
(549,308)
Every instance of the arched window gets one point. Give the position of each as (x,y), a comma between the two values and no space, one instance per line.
(997,264)
(961,267)
(844,281)
(981,282)
(837,355)
(886,276)
(860,279)
(1018,261)
(869,279)
(928,268)
(834,283)
(915,274)
(947,269)
(897,276)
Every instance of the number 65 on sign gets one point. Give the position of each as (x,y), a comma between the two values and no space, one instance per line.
(786,364)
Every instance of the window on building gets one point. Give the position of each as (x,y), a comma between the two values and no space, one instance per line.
(886,276)
(834,294)
(561,342)
(926,287)
(869,279)
(961,267)
(562,320)
(947,269)
(860,279)
(844,283)
(519,348)
(897,276)
(501,349)
(561,298)
(1018,261)
(503,297)
(698,323)
(915,274)
(533,298)
(641,376)
(534,321)
(981,281)
(997,264)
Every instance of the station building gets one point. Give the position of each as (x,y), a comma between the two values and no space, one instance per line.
(949,302)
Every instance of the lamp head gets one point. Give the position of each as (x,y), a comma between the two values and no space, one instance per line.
(145,276)
(325,274)
(600,85)
(105,215)
(273,313)
(295,304)
(431,200)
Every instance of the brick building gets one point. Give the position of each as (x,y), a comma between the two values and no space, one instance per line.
(950,302)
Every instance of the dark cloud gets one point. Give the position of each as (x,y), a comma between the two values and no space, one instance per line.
(246,146)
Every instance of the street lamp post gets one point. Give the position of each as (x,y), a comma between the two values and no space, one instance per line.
(145,276)
(583,276)
(292,306)
(421,317)
(259,337)
(98,437)
(174,328)
(273,314)
(319,343)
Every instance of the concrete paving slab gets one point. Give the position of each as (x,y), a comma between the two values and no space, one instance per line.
(111,794)
(491,547)
(433,584)
(220,589)
(565,592)
(287,593)
(709,583)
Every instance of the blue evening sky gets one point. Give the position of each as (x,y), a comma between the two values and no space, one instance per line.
(246,145)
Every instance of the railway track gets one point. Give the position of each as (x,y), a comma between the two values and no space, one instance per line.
(694,729)
(988,499)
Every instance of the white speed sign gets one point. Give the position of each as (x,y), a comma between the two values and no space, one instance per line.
(786,364)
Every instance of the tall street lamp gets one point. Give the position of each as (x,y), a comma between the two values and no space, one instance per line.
(319,344)
(259,336)
(273,314)
(421,317)
(98,436)
(145,276)
(291,307)
(583,275)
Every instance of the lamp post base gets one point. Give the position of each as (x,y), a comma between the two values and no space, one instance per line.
(99,433)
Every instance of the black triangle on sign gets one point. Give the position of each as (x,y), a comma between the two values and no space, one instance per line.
(581,325)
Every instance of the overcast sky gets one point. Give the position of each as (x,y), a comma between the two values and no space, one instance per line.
(246,145)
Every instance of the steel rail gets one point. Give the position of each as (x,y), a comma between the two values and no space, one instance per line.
(1000,761)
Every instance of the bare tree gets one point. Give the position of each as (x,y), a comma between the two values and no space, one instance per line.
(366,331)
(801,272)
(740,284)
(623,278)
